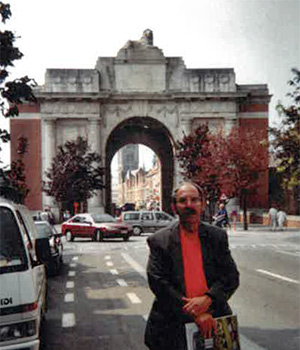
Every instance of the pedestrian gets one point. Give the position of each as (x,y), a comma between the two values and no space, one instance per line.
(221,217)
(66,215)
(281,219)
(191,273)
(273,218)
(234,217)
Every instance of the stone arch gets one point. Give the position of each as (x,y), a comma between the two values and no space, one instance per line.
(149,132)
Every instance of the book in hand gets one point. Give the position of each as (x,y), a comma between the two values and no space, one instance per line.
(226,337)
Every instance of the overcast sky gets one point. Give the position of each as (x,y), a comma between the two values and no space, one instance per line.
(260,39)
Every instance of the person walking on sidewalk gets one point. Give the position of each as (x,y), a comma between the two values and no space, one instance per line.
(273,218)
(191,273)
(281,219)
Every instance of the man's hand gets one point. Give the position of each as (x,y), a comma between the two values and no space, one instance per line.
(197,305)
(207,324)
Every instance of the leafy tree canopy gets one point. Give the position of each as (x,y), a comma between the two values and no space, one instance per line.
(286,137)
(75,173)
(15,92)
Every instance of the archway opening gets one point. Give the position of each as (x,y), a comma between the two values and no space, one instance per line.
(135,179)
(153,134)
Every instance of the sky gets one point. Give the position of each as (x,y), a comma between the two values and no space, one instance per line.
(260,39)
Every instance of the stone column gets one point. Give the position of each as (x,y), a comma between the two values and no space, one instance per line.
(95,204)
(186,125)
(49,144)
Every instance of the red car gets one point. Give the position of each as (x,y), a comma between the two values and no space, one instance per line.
(96,227)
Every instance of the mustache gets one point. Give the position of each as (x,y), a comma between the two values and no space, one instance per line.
(188,211)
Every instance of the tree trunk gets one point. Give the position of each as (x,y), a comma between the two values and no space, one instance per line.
(244,199)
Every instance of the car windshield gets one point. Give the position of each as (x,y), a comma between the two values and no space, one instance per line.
(12,251)
(98,218)
(43,230)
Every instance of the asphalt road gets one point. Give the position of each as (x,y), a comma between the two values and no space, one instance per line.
(101,298)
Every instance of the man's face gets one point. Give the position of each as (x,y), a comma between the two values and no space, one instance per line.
(188,205)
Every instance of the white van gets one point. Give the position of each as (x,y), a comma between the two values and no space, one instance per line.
(22,279)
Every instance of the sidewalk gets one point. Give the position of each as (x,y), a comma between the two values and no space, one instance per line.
(262,229)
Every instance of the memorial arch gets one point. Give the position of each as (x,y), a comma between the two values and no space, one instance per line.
(137,96)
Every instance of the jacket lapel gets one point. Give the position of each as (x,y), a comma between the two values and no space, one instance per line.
(177,254)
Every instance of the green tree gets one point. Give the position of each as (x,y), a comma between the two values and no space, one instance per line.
(12,93)
(285,139)
(75,173)
(14,180)
(15,92)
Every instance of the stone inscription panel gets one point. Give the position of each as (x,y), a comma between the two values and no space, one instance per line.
(140,77)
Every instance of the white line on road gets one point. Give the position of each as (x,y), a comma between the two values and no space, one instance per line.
(114,271)
(73,265)
(68,320)
(107,257)
(70,284)
(297,254)
(69,298)
(135,265)
(134,298)
(122,282)
(109,263)
(71,273)
(278,276)
(75,258)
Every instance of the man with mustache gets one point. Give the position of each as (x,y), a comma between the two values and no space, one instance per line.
(191,273)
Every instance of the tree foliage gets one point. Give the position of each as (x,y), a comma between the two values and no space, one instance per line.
(15,92)
(75,173)
(13,180)
(286,137)
(224,165)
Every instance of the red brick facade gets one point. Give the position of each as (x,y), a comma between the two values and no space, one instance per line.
(31,130)
(258,123)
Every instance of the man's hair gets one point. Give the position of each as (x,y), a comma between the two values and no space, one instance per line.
(199,189)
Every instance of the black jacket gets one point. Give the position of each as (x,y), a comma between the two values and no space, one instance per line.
(165,326)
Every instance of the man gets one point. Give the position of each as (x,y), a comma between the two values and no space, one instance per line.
(191,273)
(273,218)
(222,216)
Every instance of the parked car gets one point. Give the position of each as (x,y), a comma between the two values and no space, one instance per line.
(146,221)
(48,236)
(22,279)
(95,226)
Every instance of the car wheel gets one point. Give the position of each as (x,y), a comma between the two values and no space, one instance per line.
(126,237)
(137,231)
(69,236)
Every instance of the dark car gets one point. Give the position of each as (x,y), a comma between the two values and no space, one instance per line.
(95,226)
(49,238)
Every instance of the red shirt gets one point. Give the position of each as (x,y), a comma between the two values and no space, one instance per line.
(194,276)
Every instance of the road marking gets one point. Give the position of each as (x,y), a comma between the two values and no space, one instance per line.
(107,257)
(297,254)
(70,284)
(69,298)
(109,263)
(73,265)
(114,271)
(68,320)
(71,273)
(75,258)
(247,344)
(278,276)
(134,298)
(135,265)
(121,282)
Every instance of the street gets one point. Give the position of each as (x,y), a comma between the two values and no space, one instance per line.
(101,298)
